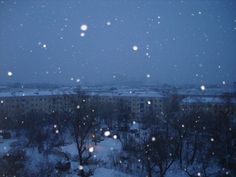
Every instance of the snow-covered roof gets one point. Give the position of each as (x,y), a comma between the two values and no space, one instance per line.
(129,93)
(207,92)
(36,92)
(90,92)
(205,100)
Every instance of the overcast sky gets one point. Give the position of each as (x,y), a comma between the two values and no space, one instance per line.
(153,41)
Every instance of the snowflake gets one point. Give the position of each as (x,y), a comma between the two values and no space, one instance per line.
(91,149)
(135,48)
(107,133)
(81,167)
(203,87)
(108,23)
(82,34)
(149,102)
(115,137)
(9,73)
(84,27)
(153,139)
(148,75)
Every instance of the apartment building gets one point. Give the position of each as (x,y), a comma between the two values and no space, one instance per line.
(139,103)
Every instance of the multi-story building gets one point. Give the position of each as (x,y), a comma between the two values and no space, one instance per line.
(208,103)
(138,102)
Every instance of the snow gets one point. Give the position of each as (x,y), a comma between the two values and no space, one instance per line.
(203,87)
(37,92)
(70,149)
(135,126)
(104,172)
(106,148)
(91,149)
(84,27)
(135,48)
(82,34)
(107,133)
(204,100)
(108,23)
(81,167)
(9,73)
(210,91)
(5,145)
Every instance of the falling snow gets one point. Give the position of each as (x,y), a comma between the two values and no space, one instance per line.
(84,27)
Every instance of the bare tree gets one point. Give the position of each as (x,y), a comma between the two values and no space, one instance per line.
(83,123)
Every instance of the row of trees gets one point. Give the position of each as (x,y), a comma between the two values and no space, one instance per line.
(200,143)
(196,140)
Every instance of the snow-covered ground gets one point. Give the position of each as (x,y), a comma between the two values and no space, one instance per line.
(104,172)
(102,152)
(5,145)
(106,148)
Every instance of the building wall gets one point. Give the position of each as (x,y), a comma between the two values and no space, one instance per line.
(16,105)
